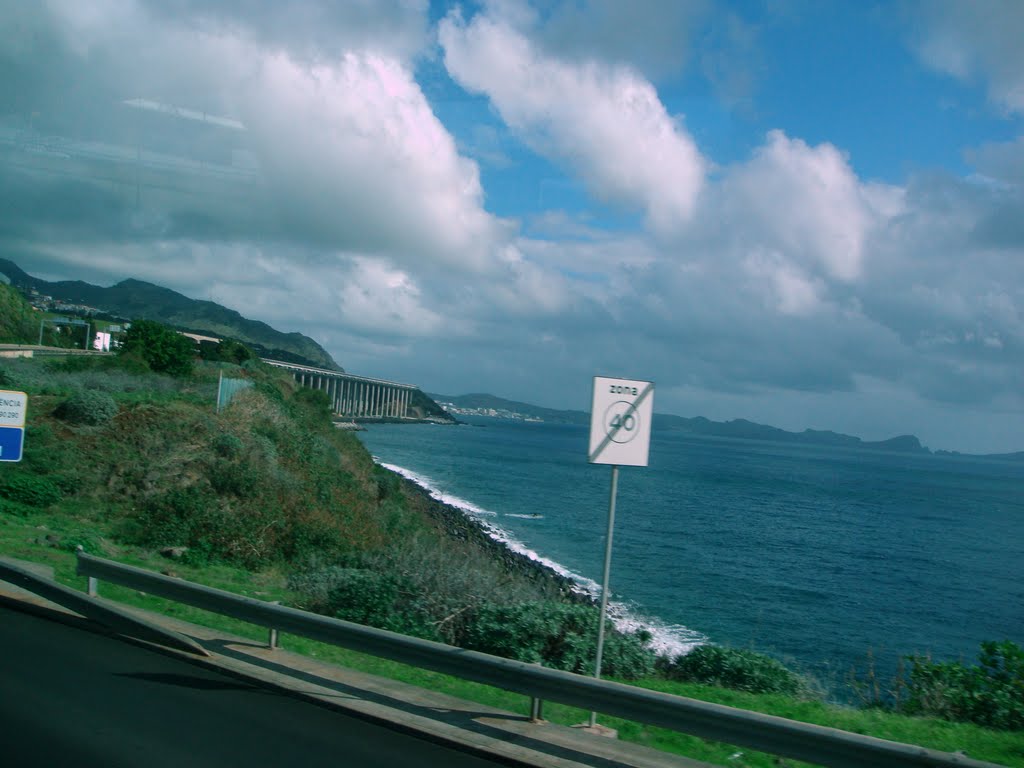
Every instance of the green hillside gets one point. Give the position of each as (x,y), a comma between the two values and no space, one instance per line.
(18,323)
(132,299)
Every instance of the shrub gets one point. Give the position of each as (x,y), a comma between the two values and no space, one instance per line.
(235,478)
(310,536)
(227,445)
(363,596)
(87,407)
(732,668)
(213,528)
(164,349)
(367,597)
(315,584)
(559,635)
(30,490)
(226,351)
(989,694)
(9,507)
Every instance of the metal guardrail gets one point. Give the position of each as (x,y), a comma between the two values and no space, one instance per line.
(766,733)
(31,350)
(100,611)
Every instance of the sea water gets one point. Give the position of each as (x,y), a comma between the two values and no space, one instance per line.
(818,555)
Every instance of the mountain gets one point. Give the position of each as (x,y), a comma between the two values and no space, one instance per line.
(750,430)
(741,428)
(131,299)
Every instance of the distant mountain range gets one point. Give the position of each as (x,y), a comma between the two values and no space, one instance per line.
(738,428)
(136,299)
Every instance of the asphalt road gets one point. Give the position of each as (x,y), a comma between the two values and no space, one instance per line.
(71,697)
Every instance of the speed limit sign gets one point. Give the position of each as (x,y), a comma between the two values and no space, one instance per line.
(620,421)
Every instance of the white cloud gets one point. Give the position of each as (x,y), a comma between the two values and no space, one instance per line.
(605,122)
(807,203)
(360,157)
(1003,161)
(792,292)
(976,39)
(380,300)
(350,155)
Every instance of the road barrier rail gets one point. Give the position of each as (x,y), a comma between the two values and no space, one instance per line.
(766,733)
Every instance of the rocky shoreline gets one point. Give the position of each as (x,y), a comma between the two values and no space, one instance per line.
(461,527)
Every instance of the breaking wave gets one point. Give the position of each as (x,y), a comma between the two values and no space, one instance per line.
(667,639)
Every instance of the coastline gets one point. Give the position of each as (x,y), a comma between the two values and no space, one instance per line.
(461,522)
(458,525)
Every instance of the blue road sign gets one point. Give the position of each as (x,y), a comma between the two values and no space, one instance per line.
(11,441)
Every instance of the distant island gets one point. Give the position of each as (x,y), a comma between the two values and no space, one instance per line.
(478,404)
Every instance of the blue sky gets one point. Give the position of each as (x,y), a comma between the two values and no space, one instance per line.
(809,214)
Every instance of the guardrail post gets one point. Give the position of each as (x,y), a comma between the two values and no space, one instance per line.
(536,710)
(536,705)
(272,637)
(93,584)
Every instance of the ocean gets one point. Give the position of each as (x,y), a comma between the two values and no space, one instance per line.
(817,555)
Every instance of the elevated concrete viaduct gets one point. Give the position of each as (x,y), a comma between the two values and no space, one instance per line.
(356,397)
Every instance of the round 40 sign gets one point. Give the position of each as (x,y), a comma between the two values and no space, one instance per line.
(620,421)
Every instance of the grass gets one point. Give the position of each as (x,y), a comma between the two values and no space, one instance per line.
(25,538)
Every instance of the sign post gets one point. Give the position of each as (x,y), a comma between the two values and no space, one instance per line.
(13,406)
(620,435)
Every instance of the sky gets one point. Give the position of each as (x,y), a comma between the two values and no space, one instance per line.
(806,213)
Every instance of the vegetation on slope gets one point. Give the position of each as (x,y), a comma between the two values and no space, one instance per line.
(137,299)
(17,322)
(269,483)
